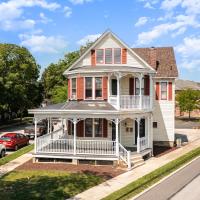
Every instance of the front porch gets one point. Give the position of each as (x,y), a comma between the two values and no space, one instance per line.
(67,144)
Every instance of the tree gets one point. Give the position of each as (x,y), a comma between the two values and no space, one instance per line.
(19,75)
(188,100)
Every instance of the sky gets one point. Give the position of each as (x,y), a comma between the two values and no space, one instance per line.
(51,28)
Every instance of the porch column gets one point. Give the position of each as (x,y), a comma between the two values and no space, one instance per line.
(108,89)
(151,132)
(117,136)
(118,92)
(151,91)
(35,147)
(138,134)
(74,122)
(48,126)
(140,94)
(62,126)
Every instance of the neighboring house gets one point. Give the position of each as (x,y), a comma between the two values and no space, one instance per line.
(121,101)
(183,85)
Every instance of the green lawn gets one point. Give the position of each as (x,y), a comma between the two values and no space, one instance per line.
(148,180)
(58,185)
(16,154)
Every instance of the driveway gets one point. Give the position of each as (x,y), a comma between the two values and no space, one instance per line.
(177,185)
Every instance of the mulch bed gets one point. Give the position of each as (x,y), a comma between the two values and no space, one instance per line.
(105,171)
(160,151)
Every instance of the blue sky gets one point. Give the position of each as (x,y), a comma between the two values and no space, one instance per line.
(50,28)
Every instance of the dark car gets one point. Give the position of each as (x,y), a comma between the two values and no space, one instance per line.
(14,140)
(41,129)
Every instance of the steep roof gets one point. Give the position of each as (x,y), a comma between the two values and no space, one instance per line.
(162,59)
(186,84)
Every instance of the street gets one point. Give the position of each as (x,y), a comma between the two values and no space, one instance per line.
(183,185)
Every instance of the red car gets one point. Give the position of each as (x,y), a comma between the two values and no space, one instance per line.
(14,140)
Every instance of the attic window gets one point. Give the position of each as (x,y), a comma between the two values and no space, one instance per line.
(99,57)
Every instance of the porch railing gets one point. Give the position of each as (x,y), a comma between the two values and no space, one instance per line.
(133,102)
(143,143)
(125,155)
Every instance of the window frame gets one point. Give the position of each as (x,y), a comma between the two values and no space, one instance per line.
(103,56)
(111,88)
(142,88)
(93,128)
(101,88)
(86,88)
(166,82)
(120,55)
(111,55)
(72,88)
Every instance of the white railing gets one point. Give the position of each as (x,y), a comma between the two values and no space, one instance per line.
(58,134)
(125,155)
(89,147)
(143,143)
(96,147)
(129,101)
(145,102)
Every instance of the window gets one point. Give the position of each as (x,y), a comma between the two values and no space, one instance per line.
(73,88)
(88,87)
(108,56)
(98,87)
(117,56)
(137,86)
(88,127)
(155,124)
(114,87)
(99,56)
(163,90)
(98,127)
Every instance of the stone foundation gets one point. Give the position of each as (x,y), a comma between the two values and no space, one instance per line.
(164,143)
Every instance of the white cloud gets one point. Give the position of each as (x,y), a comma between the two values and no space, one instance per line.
(13,11)
(42,43)
(170,4)
(181,23)
(68,11)
(88,38)
(44,19)
(141,21)
(149,3)
(189,53)
(75,2)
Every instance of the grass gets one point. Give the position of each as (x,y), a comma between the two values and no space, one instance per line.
(16,154)
(45,184)
(148,180)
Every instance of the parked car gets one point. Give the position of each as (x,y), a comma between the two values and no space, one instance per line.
(2,150)
(14,140)
(41,129)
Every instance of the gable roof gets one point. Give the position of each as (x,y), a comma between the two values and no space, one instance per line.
(98,41)
(162,59)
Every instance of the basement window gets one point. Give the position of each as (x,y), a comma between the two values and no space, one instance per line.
(155,124)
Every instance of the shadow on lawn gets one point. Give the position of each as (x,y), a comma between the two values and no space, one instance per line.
(47,187)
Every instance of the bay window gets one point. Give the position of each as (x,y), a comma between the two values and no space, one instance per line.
(117,56)
(98,87)
(108,56)
(163,90)
(88,87)
(99,56)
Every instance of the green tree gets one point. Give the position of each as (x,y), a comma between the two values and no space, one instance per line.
(19,75)
(188,100)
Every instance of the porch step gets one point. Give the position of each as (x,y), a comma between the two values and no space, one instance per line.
(136,160)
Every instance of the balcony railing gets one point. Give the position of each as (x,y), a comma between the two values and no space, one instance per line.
(131,102)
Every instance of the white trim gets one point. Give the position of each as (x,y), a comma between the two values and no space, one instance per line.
(71,88)
(163,81)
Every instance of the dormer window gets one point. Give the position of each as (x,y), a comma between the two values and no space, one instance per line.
(117,56)
(108,56)
(99,56)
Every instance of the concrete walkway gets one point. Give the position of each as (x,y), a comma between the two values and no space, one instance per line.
(8,167)
(112,185)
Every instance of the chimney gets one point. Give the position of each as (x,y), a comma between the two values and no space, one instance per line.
(152,56)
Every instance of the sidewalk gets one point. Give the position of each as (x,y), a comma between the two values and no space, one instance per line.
(4,169)
(112,185)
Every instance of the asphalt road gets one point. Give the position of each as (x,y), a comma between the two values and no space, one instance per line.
(184,185)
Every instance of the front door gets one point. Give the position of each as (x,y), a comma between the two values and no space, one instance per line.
(142,129)
(113,132)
